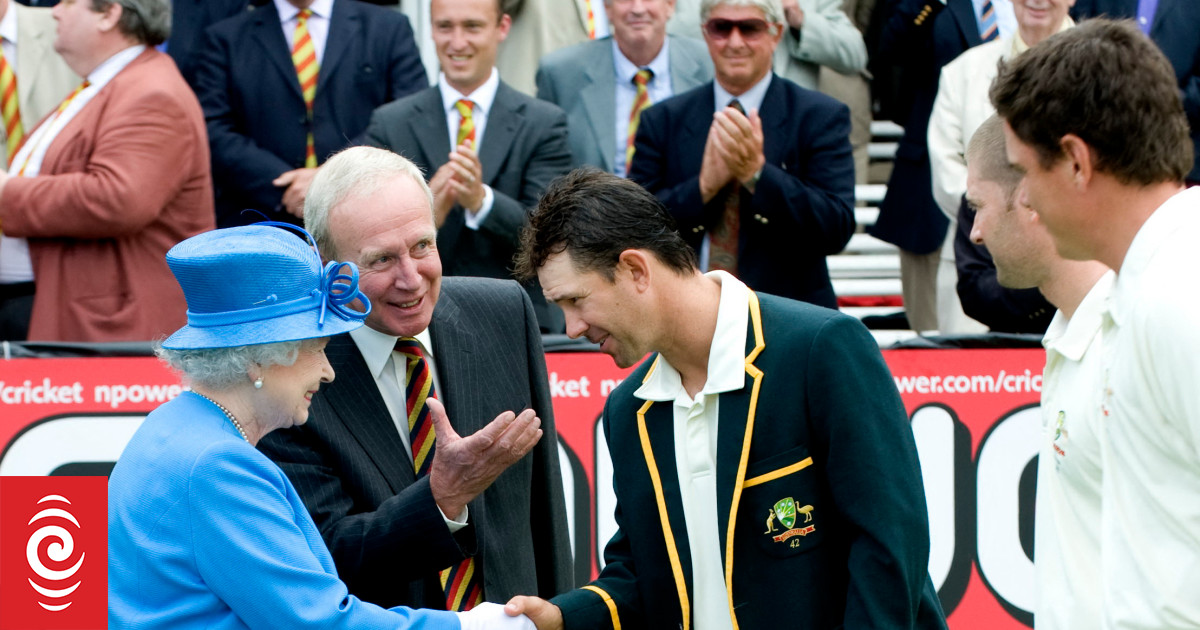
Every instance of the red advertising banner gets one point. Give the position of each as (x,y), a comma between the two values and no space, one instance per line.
(974,415)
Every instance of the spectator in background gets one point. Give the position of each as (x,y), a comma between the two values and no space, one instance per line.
(854,89)
(289,83)
(599,83)
(189,19)
(42,80)
(1094,120)
(1174,25)
(543,26)
(1069,474)
(917,39)
(109,181)
(765,188)
(392,518)
(490,150)
(959,108)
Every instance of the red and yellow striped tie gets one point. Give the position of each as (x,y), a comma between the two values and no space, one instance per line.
(591,17)
(466,125)
(640,103)
(304,57)
(62,107)
(462,583)
(10,109)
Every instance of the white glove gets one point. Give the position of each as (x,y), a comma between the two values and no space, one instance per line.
(489,616)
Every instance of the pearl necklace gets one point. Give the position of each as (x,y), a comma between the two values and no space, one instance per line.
(237,425)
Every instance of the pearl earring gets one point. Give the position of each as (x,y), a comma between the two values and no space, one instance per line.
(258,383)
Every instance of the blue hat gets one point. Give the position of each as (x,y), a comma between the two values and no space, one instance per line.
(259,284)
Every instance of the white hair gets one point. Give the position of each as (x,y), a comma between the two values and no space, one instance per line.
(771,9)
(221,368)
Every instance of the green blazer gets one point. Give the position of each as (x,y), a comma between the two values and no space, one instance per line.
(821,509)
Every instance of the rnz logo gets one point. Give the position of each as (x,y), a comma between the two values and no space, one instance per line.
(56,586)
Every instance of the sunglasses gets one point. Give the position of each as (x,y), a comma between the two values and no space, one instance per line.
(720,29)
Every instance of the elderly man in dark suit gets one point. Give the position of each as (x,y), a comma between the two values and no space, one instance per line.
(490,150)
(288,84)
(597,82)
(765,188)
(763,464)
(404,531)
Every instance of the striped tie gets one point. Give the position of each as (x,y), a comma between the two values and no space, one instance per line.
(640,102)
(723,240)
(13,129)
(466,125)
(62,107)
(462,584)
(304,57)
(987,22)
(591,19)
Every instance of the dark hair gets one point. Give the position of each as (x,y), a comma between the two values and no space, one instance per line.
(1107,83)
(595,216)
(145,21)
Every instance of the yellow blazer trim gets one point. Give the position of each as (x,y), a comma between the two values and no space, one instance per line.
(739,483)
(612,606)
(779,472)
(672,549)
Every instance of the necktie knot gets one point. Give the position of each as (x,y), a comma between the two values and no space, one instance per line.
(464,107)
(736,104)
(410,347)
(303,15)
(643,76)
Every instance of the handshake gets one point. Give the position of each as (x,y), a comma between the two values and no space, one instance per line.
(520,613)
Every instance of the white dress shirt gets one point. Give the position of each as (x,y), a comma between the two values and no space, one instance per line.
(483,97)
(1070,472)
(318,24)
(388,367)
(658,88)
(696,437)
(15,264)
(1150,533)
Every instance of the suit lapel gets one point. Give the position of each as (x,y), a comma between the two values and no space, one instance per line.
(598,99)
(345,26)
(735,431)
(503,122)
(428,127)
(964,14)
(774,106)
(656,432)
(453,338)
(269,34)
(355,398)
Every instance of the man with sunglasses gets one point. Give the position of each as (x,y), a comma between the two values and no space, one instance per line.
(763,188)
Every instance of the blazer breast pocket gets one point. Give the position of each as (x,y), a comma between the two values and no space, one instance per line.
(779,506)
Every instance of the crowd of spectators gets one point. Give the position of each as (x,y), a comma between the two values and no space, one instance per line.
(492,110)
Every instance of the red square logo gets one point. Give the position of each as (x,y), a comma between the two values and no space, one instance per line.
(53,553)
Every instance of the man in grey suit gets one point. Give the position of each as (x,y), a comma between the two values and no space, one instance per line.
(391,530)
(490,149)
(595,82)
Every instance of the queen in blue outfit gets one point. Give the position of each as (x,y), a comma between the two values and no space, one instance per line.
(205,531)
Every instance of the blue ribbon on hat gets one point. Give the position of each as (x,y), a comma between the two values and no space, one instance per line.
(334,291)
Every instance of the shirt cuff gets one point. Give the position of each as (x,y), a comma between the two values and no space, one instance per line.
(474,219)
(455,524)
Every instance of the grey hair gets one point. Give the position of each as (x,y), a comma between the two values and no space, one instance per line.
(146,21)
(355,172)
(221,368)
(771,9)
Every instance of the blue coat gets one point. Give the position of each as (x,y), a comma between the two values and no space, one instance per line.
(818,420)
(257,122)
(206,532)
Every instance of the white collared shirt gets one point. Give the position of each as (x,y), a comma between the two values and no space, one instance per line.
(388,368)
(15,264)
(1070,472)
(483,97)
(751,100)
(8,31)
(658,88)
(318,24)
(1150,535)
(696,428)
